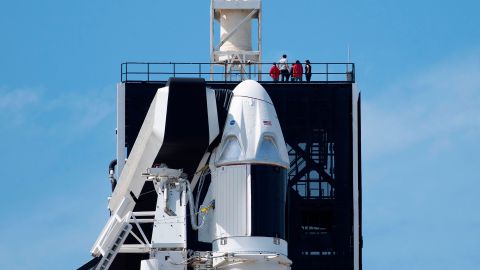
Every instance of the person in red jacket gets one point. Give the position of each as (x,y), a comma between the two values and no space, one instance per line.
(275,72)
(297,71)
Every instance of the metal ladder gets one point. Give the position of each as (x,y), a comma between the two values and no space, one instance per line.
(110,254)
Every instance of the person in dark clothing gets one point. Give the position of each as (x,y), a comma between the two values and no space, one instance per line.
(290,73)
(308,70)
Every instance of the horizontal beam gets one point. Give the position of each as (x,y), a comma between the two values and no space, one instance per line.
(144,214)
(134,248)
(223,4)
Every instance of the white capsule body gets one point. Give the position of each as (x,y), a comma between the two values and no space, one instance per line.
(249,185)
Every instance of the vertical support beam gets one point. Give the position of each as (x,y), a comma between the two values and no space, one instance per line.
(121,155)
(212,57)
(259,42)
(355,179)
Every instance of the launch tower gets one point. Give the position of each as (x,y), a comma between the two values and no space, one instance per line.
(317,210)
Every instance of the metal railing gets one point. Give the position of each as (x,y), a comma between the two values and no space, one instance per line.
(226,72)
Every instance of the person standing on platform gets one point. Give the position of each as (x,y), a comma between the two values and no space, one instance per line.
(308,70)
(275,72)
(297,71)
(283,65)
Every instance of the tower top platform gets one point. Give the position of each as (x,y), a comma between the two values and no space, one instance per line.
(162,71)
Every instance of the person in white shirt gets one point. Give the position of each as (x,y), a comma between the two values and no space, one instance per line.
(283,66)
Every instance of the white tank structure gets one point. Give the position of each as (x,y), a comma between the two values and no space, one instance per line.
(247,227)
(235,48)
(242,40)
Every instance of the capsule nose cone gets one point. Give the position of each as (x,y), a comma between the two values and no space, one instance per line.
(252,89)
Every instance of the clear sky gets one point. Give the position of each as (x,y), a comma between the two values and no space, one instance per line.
(418,66)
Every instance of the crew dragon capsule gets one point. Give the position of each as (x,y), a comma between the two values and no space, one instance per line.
(249,183)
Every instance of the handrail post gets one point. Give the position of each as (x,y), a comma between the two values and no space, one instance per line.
(199,70)
(353,72)
(327,70)
(174,70)
(249,71)
(126,72)
(225,70)
(148,72)
(121,72)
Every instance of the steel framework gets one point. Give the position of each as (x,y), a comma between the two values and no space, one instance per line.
(321,125)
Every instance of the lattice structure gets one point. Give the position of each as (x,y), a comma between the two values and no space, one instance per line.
(318,125)
(312,169)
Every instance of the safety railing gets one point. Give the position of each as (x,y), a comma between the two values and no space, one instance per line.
(227,72)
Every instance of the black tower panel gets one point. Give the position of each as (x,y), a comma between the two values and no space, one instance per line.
(316,120)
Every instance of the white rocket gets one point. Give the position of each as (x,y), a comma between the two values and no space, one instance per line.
(248,173)
(242,213)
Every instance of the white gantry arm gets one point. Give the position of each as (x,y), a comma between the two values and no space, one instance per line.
(144,151)
(170,184)
(123,201)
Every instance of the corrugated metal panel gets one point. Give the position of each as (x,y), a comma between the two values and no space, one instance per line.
(231,211)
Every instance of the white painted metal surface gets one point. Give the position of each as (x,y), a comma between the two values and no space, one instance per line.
(213,127)
(237,4)
(121,155)
(149,141)
(169,232)
(252,133)
(251,244)
(252,89)
(144,151)
(166,260)
(250,253)
(113,228)
(232,215)
(253,125)
(251,261)
(170,228)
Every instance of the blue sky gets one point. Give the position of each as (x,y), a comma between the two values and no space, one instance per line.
(418,66)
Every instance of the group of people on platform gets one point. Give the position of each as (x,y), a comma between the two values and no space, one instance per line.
(293,72)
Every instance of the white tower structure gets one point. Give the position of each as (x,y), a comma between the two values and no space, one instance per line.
(235,48)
